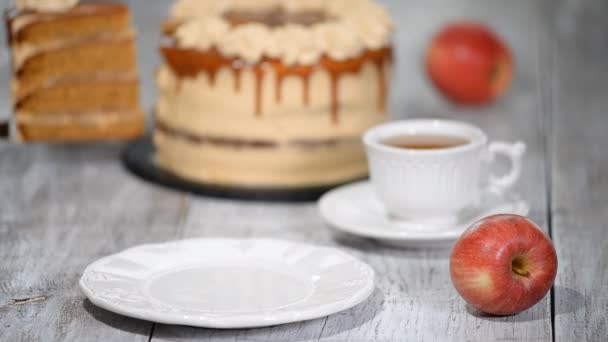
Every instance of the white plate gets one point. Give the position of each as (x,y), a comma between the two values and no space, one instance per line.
(355,209)
(227,283)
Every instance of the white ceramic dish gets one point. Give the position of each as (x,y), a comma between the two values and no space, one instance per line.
(228,283)
(354,209)
(440,182)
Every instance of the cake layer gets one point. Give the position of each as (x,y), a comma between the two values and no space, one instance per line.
(83,95)
(192,63)
(280,166)
(85,19)
(75,73)
(244,142)
(90,57)
(84,127)
(22,52)
(276,102)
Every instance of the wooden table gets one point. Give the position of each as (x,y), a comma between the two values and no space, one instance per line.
(62,207)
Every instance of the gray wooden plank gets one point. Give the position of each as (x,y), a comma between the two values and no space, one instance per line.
(579,178)
(61,208)
(414,299)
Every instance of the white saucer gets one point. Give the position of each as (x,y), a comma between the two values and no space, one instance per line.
(226,283)
(355,209)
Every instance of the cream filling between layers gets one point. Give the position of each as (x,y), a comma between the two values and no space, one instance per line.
(18,93)
(196,105)
(45,5)
(116,124)
(93,118)
(22,21)
(284,166)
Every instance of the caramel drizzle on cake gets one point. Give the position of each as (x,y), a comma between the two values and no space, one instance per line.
(190,62)
(275,17)
(304,72)
(237,80)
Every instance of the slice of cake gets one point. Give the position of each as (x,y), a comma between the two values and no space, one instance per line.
(75,71)
(272,93)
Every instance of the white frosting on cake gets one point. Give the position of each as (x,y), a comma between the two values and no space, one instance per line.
(294,44)
(45,5)
(248,42)
(355,25)
(338,40)
(189,33)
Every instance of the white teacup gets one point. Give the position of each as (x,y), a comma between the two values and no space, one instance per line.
(435,185)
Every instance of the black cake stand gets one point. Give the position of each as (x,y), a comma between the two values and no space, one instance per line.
(138,157)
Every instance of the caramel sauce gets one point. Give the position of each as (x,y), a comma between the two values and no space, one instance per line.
(237,79)
(190,62)
(283,71)
(259,84)
(275,17)
(382,85)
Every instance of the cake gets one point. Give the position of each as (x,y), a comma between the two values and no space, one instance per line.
(74,71)
(273,93)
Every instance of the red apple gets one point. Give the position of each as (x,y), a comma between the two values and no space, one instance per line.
(469,63)
(503,264)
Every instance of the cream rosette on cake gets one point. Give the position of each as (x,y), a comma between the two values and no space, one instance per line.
(351,27)
(45,5)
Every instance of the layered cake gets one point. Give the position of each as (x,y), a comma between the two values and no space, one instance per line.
(75,72)
(272,93)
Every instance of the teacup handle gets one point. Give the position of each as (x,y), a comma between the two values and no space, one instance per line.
(513,151)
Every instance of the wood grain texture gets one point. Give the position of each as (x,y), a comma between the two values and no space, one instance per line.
(580,170)
(61,208)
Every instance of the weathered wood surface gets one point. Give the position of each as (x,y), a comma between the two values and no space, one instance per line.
(580,170)
(63,207)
